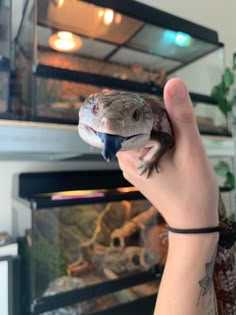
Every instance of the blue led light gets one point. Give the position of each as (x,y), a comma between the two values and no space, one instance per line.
(168,37)
(178,38)
(182,39)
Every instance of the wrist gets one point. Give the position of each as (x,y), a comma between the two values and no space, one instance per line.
(192,246)
(193,238)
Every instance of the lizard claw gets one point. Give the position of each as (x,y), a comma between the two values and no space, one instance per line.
(149,172)
(156,168)
(145,167)
(142,168)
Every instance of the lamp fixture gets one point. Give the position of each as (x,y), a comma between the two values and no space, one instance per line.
(65,41)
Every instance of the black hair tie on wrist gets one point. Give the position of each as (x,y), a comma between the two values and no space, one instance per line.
(227,229)
(195,231)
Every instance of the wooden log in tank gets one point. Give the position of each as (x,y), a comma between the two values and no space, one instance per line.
(120,236)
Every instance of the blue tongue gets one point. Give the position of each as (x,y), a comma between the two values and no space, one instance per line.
(112,144)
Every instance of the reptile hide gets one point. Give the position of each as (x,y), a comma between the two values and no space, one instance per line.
(117,120)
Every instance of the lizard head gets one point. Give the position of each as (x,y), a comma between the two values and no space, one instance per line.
(114,120)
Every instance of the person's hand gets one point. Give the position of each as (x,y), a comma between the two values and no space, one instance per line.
(185,189)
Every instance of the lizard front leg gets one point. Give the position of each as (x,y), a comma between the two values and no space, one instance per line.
(151,154)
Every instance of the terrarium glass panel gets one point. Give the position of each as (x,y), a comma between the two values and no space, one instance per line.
(5,28)
(129,57)
(211,120)
(169,44)
(4,54)
(87,244)
(4,86)
(203,74)
(26,34)
(89,20)
(60,99)
(122,67)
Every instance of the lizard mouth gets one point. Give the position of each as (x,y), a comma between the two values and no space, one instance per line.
(96,133)
(112,143)
(88,128)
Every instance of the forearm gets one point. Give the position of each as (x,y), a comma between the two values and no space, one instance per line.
(187,285)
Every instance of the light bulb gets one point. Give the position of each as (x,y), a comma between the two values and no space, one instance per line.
(65,41)
(108,16)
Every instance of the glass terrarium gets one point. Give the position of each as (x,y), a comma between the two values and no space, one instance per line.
(69,49)
(91,245)
(5,15)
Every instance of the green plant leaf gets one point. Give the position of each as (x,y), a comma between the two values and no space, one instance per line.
(229,180)
(222,168)
(225,106)
(228,78)
(220,90)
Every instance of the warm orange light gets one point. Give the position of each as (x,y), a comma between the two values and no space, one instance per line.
(100,13)
(108,16)
(65,41)
(65,35)
(60,3)
(65,45)
(118,18)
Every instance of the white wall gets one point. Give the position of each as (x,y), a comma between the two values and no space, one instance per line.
(216,15)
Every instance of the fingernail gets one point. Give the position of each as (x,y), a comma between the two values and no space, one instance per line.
(178,92)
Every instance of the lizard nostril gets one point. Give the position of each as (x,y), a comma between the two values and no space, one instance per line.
(136,115)
(95,109)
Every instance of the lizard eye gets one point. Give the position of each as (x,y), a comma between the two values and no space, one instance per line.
(135,115)
(95,109)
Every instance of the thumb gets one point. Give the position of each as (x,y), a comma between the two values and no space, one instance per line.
(180,109)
